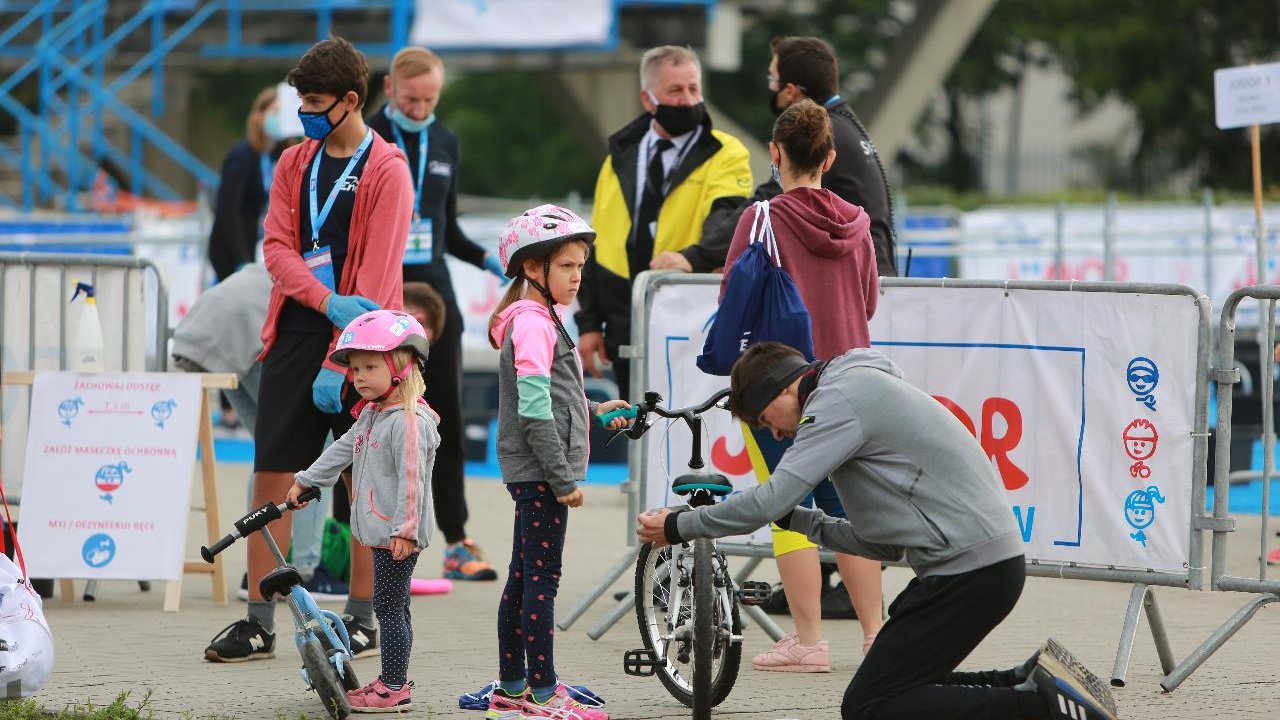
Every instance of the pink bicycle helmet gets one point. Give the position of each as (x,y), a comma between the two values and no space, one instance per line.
(537,233)
(383,331)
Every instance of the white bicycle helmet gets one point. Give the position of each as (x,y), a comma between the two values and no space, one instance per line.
(536,234)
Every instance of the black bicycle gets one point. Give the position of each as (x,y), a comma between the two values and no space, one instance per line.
(686,600)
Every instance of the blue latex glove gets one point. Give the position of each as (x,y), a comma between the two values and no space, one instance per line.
(345,308)
(493,265)
(326,391)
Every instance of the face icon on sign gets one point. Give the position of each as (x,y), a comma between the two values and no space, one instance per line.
(1140,511)
(1140,439)
(1143,376)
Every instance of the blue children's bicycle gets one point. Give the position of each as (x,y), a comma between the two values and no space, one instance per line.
(320,634)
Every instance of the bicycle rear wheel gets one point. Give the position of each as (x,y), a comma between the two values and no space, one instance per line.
(704,627)
(324,680)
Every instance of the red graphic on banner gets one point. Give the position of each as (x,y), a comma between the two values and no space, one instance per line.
(729,464)
(996,447)
(1140,440)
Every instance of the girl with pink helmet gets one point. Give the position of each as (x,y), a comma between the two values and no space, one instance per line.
(391,449)
(543,424)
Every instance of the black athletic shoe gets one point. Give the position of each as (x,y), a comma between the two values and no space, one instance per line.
(364,638)
(836,604)
(241,640)
(1069,690)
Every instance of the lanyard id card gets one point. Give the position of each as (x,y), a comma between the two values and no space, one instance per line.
(418,249)
(320,262)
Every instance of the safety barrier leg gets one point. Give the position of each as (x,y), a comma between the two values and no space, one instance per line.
(1215,641)
(610,577)
(1143,596)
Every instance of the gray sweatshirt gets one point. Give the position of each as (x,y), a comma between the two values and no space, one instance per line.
(543,412)
(222,332)
(912,479)
(390,476)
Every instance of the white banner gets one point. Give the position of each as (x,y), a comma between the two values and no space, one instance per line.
(1083,401)
(513,24)
(108,474)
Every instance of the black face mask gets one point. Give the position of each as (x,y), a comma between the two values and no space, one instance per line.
(773,103)
(680,119)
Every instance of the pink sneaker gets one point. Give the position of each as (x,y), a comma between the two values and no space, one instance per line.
(1273,557)
(505,707)
(559,707)
(377,697)
(788,655)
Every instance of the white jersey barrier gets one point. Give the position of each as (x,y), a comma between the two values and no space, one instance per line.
(1085,401)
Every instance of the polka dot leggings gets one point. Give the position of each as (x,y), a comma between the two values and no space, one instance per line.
(391,605)
(526,615)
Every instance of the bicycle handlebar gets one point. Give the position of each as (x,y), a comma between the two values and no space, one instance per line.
(692,416)
(254,521)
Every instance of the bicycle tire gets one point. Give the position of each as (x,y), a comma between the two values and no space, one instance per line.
(730,652)
(349,681)
(324,680)
(650,618)
(705,627)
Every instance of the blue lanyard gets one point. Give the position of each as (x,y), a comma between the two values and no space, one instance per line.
(422,163)
(317,220)
(267,167)
(831,101)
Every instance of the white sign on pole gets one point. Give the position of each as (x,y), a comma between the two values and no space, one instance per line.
(1245,96)
(1084,402)
(513,24)
(108,474)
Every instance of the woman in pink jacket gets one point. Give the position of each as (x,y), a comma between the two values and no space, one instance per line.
(825,245)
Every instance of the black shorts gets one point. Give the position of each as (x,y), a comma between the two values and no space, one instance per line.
(291,430)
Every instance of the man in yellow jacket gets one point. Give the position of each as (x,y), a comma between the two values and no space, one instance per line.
(665,172)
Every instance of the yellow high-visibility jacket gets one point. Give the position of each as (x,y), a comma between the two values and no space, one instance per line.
(715,169)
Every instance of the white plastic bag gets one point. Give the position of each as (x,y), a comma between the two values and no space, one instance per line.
(26,644)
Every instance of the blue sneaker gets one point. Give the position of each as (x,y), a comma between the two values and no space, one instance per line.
(464,562)
(324,586)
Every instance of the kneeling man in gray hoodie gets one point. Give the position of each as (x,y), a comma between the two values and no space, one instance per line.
(916,486)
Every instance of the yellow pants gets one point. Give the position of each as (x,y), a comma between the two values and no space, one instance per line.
(784,541)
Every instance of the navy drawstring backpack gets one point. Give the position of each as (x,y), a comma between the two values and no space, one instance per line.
(761,304)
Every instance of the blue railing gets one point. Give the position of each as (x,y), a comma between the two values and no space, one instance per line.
(69,63)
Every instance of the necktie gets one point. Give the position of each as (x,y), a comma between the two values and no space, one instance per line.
(641,251)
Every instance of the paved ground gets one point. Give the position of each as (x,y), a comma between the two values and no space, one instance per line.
(125,641)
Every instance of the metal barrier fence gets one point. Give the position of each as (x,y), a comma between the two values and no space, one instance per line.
(36,327)
(1221,523)
(1143,580)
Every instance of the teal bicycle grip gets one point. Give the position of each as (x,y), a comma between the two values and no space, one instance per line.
(628,413)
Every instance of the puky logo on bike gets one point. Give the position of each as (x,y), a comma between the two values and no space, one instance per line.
(109,478)
(99,550)
(162,411)
(68,409)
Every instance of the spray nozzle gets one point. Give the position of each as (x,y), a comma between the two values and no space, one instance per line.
(85,288)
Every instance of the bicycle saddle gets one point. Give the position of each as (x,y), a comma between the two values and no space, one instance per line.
(279,581)
(716,483)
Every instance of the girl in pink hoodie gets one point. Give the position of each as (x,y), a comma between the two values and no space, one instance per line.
(826,247)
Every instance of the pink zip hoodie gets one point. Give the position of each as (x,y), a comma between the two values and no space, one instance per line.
(826,246)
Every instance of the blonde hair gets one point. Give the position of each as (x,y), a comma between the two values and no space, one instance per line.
(415,61)
(655,58)
(413,385)
(518,287)
(253,129)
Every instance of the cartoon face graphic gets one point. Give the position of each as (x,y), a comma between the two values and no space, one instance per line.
(1140,508)
(1142,375)
(1140,439)
(161,411)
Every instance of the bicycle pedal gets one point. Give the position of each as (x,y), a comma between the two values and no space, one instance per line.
(754,592)
(640,663)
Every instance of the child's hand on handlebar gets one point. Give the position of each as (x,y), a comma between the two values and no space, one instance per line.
(573,499)
(619,420)
(297,489)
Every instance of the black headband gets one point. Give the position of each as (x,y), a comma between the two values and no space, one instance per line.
(757,396)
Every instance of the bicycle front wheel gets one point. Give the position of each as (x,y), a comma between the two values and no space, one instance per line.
(324,679)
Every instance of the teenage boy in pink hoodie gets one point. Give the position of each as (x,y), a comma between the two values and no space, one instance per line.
(336,227)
